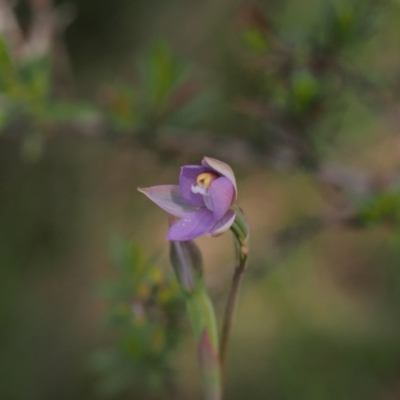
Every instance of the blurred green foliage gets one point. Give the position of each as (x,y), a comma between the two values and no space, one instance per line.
(28,101)
(165,94)
(145,314)
(261,84)
(384,207)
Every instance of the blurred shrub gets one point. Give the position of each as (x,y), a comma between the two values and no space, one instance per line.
(145,310)
(287,90)
(282,93)
(29,110)
(165,95)
(285,86)
(384,207)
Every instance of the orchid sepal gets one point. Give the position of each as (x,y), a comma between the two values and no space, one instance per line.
(223,169)
(240,226)
(224,223)
(170,199)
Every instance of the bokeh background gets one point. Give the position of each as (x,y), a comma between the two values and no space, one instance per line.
(98,97)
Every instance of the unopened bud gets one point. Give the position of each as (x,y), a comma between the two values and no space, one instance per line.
(187,262)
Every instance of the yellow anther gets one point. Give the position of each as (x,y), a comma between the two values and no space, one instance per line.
(205,179)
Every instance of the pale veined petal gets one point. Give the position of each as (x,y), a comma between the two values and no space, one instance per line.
(221,193)
(170,199)
(222,169)
(192,226)
(224,223)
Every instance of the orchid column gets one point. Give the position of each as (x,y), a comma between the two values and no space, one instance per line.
(204,202)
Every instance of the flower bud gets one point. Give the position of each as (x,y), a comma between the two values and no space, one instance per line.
(240,226)
(187,262)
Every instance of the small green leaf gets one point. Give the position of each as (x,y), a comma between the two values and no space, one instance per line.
(346,18)
(255,40)
(8,71)
(305,89)
(34,75)
(161,73)
(64,111)
(382,207)
(200,107)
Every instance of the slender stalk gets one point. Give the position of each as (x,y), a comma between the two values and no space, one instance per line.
(204,325)
(187,262)
(188,266)
(229,314)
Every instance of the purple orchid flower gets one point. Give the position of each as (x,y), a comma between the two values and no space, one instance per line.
(202,200)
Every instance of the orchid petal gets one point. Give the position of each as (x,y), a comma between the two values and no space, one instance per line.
(208,202)
(170,199)
(224,223)
(192,226)
(222,169)
(221,193)
(187,179)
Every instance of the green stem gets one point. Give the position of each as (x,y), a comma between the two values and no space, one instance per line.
(240,232)
(188,266)
(187,262)
(203,321)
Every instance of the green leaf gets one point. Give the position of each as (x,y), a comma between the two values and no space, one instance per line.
(305,91)
(34,75)
(64,111)
(122,108)
(382,207)
(8,70)
(161,73)
(128,257)
(201,107)
(255,40)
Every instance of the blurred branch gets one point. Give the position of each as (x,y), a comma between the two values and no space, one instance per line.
(42,28)
(38,40)
(9,27)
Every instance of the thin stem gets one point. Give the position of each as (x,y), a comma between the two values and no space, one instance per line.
(227,324)
(204,324)
(188,266)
